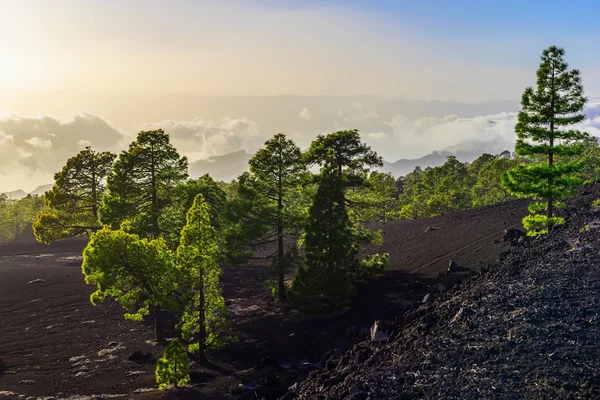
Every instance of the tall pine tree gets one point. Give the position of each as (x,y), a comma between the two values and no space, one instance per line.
(277,169)
(204,317)
(545,128)
(140,184)
(331,249)
(73,203)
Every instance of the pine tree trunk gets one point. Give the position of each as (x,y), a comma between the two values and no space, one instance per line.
(280,260)
(202,317)
(551,159)
(158,324)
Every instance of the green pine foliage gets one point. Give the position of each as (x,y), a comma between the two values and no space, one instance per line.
(141,182)
(545,129)
(269,207)
(488,188)
(16,215)
(173,368)
(372,265)
(204,321)
(71,206)
(277,169)
(138,273)
(182,199)
(326,278)
(377,200)
(351,157)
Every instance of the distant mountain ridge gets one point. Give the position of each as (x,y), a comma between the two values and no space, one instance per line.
(221,168)
(228,167)
(434,159)
(19,194)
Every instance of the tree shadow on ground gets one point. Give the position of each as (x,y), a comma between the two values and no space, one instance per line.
(3,367)
(279,332)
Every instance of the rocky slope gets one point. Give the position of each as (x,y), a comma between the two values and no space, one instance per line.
(527,327)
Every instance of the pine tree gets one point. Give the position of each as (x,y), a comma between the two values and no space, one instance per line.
(277,170)
(331,251)
(545,128)
(351,158)
(182,199)
(376,200)
(71,206)
(204,318)
(138,273)
(488,188)
(173,368)
(140,184)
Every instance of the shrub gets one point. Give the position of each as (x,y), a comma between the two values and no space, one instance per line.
(173,368)
(373,264)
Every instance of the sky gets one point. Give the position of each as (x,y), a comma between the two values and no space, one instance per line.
(225,75)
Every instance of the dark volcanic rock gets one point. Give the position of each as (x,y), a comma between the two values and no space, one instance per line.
(453,266)
(513,236)
(527,328)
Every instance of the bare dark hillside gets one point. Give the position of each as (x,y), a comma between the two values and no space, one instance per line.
(527,328)
(50,347)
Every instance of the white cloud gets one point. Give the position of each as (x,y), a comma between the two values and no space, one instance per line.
(199,138)
(39,143)
(34,148)
(362,118)
(84,143)
(357,104)
(304,114)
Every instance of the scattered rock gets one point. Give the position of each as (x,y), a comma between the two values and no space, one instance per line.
(135,373)
(76,359)
(105,352)
(378,334)
(453,266)
(140,357)
(294,388)
(37,281)
(513,235)
(427,299)
(27,382)
(114,344)
(430,228)
(554,356)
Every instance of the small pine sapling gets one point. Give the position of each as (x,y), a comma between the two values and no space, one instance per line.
(174,367)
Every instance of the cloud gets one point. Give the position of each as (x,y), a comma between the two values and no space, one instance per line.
(362,118)
(357,104)
(304,114)
(199,138)
(39,143)
(412,138)
(34,148)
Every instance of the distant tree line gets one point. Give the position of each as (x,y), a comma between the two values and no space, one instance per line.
(17,215)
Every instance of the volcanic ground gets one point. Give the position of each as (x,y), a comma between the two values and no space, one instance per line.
(55,344)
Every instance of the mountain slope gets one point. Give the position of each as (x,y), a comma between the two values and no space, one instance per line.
(526,328)
(404,166)
(19,194)
(221,168)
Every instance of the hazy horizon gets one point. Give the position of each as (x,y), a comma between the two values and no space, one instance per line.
(222,76)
